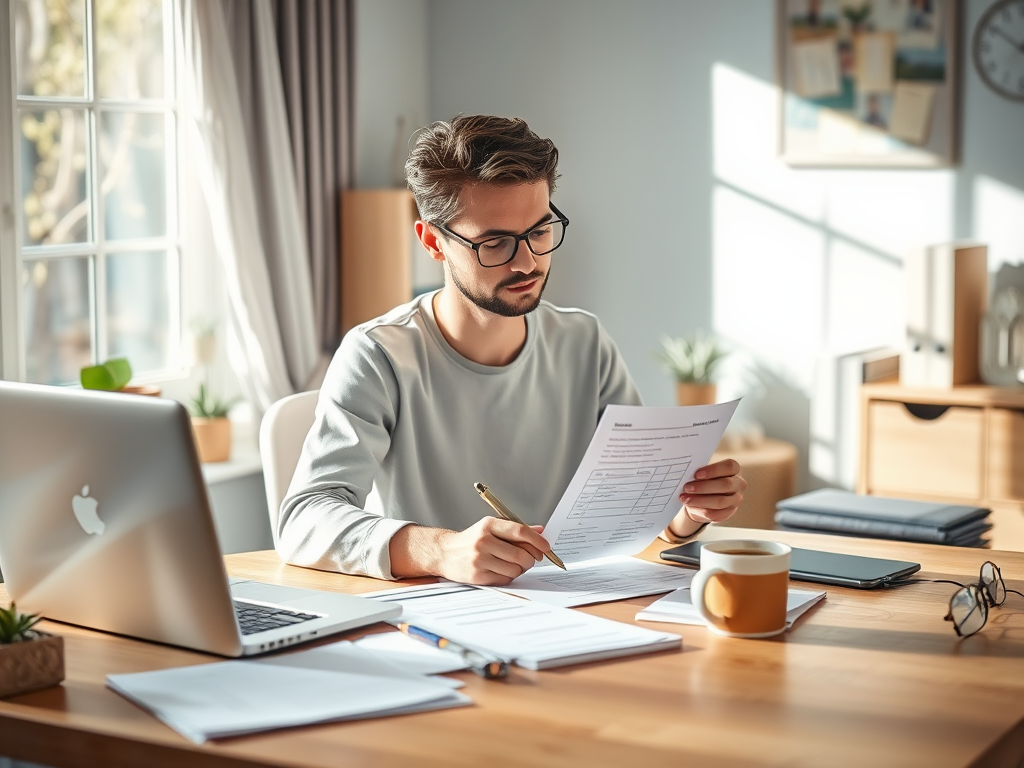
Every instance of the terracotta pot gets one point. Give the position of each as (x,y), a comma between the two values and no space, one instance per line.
(31,665)
(695,394)
(141,389)
(213,438)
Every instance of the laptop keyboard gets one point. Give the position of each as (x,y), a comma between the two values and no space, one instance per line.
(253,618)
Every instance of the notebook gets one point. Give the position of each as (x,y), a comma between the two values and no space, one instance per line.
(105,523)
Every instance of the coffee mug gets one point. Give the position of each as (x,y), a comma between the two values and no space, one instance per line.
(742,586)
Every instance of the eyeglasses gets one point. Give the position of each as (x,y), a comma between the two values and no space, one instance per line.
(968,607)
(498,251)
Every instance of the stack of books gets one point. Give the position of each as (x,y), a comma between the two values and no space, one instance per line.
(841,512)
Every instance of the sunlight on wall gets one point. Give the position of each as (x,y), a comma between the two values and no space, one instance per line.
(999,221)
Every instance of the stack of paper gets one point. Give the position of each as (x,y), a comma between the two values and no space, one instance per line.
(231,698)
(678,609)
(533,634)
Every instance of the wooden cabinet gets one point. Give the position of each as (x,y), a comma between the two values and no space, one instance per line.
(964,445)
(376,252)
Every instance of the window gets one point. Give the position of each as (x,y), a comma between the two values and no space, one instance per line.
(97,242)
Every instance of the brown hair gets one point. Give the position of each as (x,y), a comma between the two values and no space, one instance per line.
(474,148)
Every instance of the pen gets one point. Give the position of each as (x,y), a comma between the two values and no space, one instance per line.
(508,514)
(484,665)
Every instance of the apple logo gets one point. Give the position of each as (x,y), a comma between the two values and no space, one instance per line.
(85,512)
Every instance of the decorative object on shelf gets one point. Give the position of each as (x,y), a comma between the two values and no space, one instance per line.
(997,48)
(868,83)
(1002,338)
(29,659)
(211,425)
(692,361)
(947,296)
(114,376)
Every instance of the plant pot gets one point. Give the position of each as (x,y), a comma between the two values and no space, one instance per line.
(695,394)
(141,389)
(31,665)
(213,438)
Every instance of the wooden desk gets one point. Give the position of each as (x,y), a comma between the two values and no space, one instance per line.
(865,679)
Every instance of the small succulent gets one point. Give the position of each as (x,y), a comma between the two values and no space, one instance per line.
(110,376)
(691,359)
(15,626)
(205,405)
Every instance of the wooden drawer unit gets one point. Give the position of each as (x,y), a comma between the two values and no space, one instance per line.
(926,450)
(962,444)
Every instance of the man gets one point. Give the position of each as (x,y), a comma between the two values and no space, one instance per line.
(479,381)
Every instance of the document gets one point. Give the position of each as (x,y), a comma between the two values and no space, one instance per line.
(413,655)
(598,581)
(678,609)
(533,634)
(232,698)
(626,489)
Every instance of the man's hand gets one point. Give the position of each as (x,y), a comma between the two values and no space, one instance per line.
(712,496)
(491,552)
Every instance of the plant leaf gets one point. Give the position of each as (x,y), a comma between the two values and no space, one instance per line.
(109,376)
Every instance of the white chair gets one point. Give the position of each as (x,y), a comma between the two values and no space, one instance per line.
(282,432)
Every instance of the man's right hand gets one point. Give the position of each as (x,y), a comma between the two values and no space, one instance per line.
(491,552)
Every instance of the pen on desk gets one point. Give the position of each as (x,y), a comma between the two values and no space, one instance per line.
(495,503)
(483,664)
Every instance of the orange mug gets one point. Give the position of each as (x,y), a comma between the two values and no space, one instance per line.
(742,586)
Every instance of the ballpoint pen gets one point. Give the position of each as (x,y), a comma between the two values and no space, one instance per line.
(495,503)
(483,664)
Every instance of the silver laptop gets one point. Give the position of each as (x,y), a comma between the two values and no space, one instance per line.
(105,523)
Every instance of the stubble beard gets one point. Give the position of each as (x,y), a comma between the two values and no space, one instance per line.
(499,306)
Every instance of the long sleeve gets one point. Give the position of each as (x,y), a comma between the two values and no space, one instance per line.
(324,522)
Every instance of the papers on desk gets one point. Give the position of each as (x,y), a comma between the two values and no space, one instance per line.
(598,581)
(232,698)
(413,655)
(678,609)
(626,489)
(534,635)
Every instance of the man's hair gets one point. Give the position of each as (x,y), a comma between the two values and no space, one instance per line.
(474,148)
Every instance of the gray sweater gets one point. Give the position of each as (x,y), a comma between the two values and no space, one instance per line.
(405,425)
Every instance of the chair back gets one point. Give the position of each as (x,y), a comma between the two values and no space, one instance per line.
(282,433)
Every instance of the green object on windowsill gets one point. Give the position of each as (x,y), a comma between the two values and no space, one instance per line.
(109,376)
(205,406)
(15,626)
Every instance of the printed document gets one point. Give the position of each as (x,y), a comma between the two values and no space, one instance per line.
(626,489)
(532,634)
(598,581)
(678,608)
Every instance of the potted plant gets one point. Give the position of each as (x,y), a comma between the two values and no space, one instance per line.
(211,425)
(692,361)
(114,376)
(29,659)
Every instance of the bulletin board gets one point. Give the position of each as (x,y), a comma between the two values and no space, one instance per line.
(868,83)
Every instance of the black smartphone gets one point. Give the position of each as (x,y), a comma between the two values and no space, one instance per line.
(823,567)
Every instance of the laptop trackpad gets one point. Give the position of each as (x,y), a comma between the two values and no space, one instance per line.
(269,593)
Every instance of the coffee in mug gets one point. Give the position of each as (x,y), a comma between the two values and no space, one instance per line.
(742,586)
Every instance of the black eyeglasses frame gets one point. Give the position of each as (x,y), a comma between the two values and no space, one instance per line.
(559,216)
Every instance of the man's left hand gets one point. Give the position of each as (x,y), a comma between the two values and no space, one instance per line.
(712,496)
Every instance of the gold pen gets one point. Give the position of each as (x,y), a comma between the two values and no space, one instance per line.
(495,503)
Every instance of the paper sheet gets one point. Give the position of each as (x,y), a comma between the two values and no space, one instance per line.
(413,655)
(534,635)
(816,68)
(912,112)
(676,608)
(232,698)
(875,62)
(626,489)
(598,581)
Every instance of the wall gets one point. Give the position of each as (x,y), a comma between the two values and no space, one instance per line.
(682,216)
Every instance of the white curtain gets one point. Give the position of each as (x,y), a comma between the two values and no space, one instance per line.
(236,119)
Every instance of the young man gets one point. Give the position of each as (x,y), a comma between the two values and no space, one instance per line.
(480,381)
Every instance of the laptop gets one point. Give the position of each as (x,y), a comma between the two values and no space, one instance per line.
(105,523)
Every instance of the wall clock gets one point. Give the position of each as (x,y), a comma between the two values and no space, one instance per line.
(998,48)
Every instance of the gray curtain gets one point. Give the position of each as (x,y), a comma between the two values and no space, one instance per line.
(314,40)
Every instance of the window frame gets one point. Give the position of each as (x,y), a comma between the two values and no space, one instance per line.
(14,253)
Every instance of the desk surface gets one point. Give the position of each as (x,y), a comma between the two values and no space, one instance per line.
(866,678)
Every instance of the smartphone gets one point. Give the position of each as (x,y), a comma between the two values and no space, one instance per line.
(822,567)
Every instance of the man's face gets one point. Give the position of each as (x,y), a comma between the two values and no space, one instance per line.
(490,210)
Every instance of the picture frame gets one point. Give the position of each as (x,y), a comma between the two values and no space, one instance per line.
(868,83)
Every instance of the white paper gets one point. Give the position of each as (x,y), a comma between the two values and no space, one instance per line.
(626,489)
(874,56)
(677,608)
(912,111)
(233,698)
(816,68)
(598,581)
(413,655)
(533,634)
